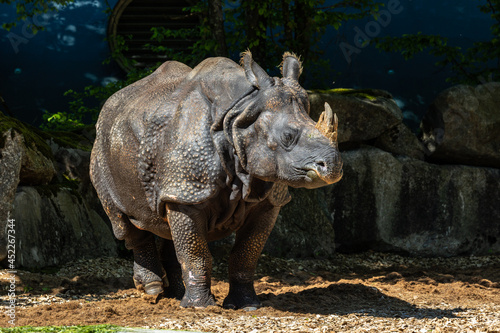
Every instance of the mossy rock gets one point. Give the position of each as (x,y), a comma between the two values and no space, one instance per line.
(33,137)
(363,114)
(69,139)
(39,163)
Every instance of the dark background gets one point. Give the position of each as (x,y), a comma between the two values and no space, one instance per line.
(69,54)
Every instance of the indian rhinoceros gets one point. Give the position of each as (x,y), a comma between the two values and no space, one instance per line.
(189,156)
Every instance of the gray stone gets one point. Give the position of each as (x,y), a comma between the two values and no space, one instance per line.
(36,158)
(304,227)
(55,225)
(10,165)
(403,204)
(363,115)
(462,126)
(72,163)
(56,220)
(36,168)
(400,140)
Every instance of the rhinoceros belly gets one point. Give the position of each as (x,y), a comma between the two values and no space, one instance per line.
(225,217)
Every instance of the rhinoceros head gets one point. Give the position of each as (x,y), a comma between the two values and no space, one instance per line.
(273,135)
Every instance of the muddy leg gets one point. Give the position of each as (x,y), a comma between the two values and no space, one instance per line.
(148,271)
(250,240)
(171,265)
(189,236)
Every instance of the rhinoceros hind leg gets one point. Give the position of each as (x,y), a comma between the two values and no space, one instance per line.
(149,275)
(171,265)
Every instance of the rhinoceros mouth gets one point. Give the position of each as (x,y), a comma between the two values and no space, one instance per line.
(312,175)
(312,178)
(317,175)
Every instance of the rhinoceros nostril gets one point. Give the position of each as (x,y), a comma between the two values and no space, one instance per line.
(321,166)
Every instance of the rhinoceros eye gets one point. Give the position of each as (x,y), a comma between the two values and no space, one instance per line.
(288,138)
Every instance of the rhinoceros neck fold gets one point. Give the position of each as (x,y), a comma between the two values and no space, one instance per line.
(220,131)
(237,177)
(218,124)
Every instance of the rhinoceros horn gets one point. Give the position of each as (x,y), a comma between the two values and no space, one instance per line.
(327,124)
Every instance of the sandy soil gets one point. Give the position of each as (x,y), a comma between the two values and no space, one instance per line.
(369,292)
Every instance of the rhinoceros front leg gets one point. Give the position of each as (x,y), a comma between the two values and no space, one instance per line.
(250,240)
(189,233)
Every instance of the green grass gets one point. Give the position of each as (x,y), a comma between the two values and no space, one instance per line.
(62,329)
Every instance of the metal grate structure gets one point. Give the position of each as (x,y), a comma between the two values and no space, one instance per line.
(131,22)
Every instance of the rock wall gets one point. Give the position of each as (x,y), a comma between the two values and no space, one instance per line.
(463,126)
(45,188)
(55,225)
(438,196)
(399,203)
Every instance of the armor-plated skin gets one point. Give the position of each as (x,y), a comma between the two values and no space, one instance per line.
(193,155)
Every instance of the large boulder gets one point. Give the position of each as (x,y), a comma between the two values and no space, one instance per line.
(363,114)
(462,126)
(304,227)
(37,166)
(400,140)
(394,203)
(45,188)
(55,225)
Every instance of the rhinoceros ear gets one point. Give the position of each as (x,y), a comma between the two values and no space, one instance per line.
(291,67)
(254,73)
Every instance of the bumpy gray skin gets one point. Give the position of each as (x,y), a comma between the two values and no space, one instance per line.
(193,155)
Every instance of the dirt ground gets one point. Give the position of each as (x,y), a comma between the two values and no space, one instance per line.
(369,292)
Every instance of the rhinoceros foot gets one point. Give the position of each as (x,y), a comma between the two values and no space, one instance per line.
(148,281)
(200,299)
(242,296)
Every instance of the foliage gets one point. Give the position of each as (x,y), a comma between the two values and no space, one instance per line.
(61,329)
(85,106)
(477,64)
(272,26)
(267,28)
(203,46)
(29,11)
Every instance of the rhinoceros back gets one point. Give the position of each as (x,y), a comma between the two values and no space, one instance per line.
(119,129)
